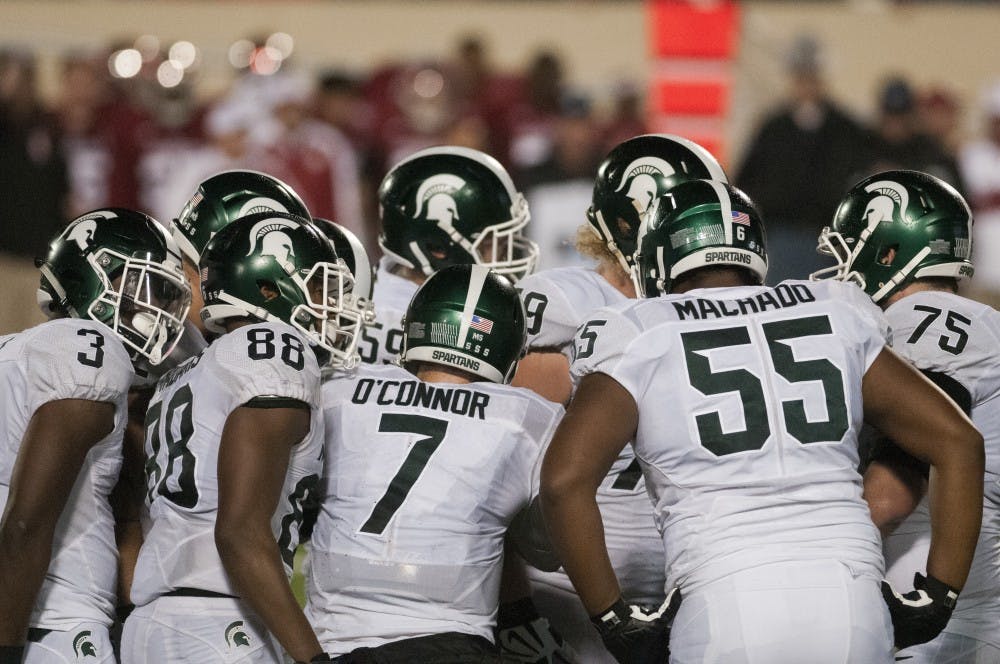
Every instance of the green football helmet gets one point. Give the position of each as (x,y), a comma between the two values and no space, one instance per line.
(352,252)
(121,268)
(897,226)
(466,317)
(274,266)
(699,223)
(452,205)
(227,196)
(632,180)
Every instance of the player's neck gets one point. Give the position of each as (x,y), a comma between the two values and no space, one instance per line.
(915,287)
(408,273)
(434,373)
(617,277)
(720,277)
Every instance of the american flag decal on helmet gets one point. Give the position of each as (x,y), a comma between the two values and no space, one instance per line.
(484,325)
(741,218)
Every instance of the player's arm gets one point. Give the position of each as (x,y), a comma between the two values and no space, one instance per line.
(529,537)
(892,492)
(923,421)
(127,497)
(895,481)
(253,460)
(545,372)
(599,422)
(54,447)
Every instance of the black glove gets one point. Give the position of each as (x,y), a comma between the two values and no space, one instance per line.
(635,635)
(525,636)
(11,654)
(921,614)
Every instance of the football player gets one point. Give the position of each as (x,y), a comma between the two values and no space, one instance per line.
(219,200)
(743,403)
(630,182)
(113,284)
(234,451)
(905,238)
(442,206)
(427,467)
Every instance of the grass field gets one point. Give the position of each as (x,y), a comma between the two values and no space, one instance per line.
(298,578)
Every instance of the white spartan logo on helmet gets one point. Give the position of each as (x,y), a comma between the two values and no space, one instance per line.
(273,239)
(888,195)
(82,232)
(640,176)
(260,204)
(436,195)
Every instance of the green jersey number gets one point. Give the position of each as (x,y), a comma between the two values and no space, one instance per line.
(178,468)
(751,391)
(433,430)
(368,347)
(300,500)
(954,322)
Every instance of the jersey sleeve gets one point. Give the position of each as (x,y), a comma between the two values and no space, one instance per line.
(604,344)
(869,328)
(540,422)
(527,530)
(76,359)
(551,318)
(268,363)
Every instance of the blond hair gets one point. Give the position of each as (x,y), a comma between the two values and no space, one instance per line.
(588,243)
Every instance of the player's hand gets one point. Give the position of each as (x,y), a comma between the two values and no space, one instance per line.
(525,636)
(635,635)
(919,615)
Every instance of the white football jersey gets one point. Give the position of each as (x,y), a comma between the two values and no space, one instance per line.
(421,483)
(749,405)
(557,302)
(183,430)
(70,358)
(949,334)
(382,341)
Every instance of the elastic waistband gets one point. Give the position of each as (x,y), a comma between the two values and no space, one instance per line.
(197,592)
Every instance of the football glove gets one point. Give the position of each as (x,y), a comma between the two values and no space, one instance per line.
(635,635)
(919,615)
(526,637)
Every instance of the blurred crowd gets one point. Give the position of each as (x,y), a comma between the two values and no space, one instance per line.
(332,134)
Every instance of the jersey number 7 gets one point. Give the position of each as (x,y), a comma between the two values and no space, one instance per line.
(433,430)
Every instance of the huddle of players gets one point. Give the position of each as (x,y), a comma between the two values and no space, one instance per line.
(743,405)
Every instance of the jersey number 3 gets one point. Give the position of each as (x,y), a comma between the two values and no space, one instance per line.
(755,405)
